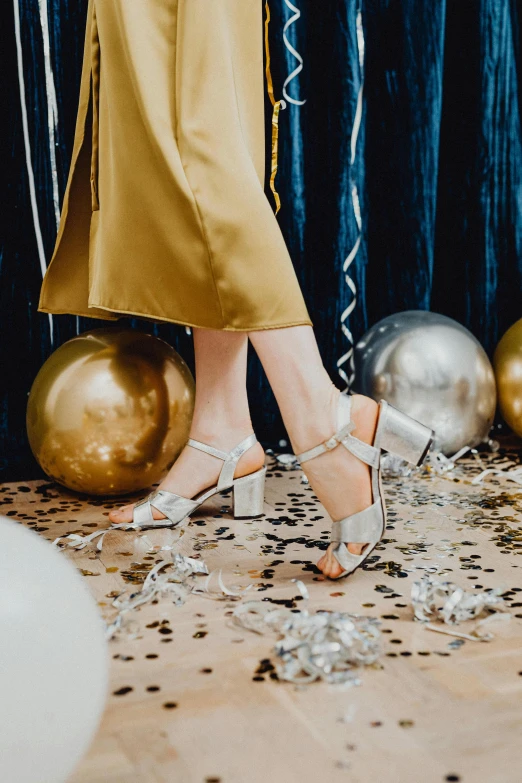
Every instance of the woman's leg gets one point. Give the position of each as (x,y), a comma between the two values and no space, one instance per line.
(307,400)
(221,417)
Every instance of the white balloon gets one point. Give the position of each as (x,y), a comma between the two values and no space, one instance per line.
(53,660)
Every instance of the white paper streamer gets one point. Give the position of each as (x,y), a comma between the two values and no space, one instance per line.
(52,105)
(78,542)
(348,357)
(512,474)
(28,155)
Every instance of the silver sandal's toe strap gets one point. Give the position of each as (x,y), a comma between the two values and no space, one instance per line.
(365,527)
(346,560)
(174,507)
(142,514)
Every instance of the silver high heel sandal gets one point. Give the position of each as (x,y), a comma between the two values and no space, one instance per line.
(396,433)
(249,492)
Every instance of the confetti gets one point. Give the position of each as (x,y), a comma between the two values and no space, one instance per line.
(328,646)
(445,601)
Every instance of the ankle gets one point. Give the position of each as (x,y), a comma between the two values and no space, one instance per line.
(220,433)
(313,418)
(316,421)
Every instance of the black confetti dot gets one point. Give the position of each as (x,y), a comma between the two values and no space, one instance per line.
(170,705)
(123,691)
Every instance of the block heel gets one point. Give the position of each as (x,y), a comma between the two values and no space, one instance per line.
(249,495)
(399,434)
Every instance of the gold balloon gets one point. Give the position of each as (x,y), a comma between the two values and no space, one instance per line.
(110,411)
(507,362)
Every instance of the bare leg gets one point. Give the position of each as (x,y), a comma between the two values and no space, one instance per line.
(221,417)
(307,400)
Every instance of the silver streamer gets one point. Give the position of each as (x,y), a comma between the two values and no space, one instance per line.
(348,357)
(173,578)
(478,634)
(394,467)
(78,542)
(28,153)
(449,603)
(52,105)
(328,646)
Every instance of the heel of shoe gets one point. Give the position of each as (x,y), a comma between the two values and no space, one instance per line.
(249,495)
(399,434)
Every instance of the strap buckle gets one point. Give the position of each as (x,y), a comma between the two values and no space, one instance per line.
(331,443)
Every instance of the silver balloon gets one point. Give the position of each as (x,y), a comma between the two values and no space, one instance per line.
(432,368)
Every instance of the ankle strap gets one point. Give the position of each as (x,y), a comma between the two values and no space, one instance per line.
(328,445)
(363,451)
(230,458)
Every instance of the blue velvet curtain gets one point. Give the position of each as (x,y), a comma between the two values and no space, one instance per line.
(438,170)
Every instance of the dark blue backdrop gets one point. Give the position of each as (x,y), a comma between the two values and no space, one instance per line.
(439,171)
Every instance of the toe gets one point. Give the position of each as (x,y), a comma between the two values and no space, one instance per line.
(335,569)
(123,514)
(327,563)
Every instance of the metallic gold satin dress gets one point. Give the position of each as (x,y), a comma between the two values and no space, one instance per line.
(164,215)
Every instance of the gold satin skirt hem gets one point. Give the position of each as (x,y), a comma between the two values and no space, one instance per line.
(107,314)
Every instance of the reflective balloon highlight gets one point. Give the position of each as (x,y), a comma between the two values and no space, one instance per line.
(433,369)
(110,411)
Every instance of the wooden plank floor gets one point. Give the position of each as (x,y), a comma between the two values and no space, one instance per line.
(184,707)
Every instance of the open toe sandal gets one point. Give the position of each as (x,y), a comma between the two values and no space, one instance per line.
(396,433)
(248,492)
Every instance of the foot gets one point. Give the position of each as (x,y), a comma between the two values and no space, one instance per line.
(195,471)
(340,480)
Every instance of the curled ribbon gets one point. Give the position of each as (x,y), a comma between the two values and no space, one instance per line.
(52,104)
(28,150)
(296,16)
(348,356)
